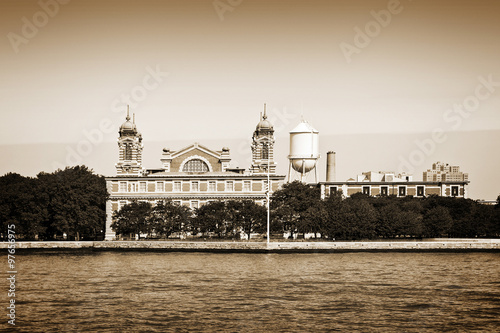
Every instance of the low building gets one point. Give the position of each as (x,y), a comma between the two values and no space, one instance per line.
(191,176)
(388,183)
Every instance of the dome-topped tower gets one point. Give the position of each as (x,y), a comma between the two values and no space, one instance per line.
(130,148)
(263,146)
(264,125)
(128,128)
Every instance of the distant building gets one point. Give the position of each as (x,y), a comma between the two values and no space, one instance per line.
(385,183)
(444,172)
(191,176)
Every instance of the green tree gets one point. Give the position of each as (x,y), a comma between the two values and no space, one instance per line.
(133,219)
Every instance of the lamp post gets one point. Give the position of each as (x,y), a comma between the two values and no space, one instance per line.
(267,199)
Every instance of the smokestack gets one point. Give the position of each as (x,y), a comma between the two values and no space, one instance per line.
(330,166)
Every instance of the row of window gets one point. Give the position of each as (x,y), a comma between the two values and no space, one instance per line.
(384,190)
(194,186)
(193,204)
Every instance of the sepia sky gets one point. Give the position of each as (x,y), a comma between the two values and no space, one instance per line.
(194,72)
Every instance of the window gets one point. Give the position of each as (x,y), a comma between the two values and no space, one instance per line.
(211,186)
(229,186)
(265,152)
(402,191)
(133,187)
(177,202)
(265,186)
(454,191)
(123,187)
(333,189)
(366,190)
(177,186)
(142,187)
(420,191)
(247,186)
(195,186)
(383,191)
(194,204)
(121,204)
(128,152)
(160,187)
(195,165)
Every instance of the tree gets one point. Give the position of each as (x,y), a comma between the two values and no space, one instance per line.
(166,218)
(75,199)
(212,217)
(133,219)
(389,220)
(247,216)
(332,225)
(360,217)
(21,206)
(437,222)
(290,203)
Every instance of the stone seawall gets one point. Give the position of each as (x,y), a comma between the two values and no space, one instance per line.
(262,247)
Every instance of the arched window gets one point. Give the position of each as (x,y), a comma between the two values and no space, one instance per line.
(128,151)
(265,152)
(195,165)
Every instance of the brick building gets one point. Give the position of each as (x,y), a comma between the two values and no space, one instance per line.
(190,176)
(385,183)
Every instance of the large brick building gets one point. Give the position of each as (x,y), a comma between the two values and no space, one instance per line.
(190,176)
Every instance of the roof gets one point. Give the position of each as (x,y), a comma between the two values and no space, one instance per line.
(304,127)
(205,175)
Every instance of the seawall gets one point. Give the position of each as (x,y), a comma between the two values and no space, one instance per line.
(492,245)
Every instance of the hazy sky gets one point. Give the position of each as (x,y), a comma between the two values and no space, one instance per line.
(66,69)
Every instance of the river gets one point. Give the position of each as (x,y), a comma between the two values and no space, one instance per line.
(207,292)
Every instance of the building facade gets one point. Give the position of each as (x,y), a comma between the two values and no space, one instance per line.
(445,172)
(191,176)
(388,183)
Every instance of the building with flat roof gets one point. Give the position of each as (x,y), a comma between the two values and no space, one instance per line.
(444,172)
(385,183)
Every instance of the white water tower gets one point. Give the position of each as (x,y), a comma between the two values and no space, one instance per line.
(304,151)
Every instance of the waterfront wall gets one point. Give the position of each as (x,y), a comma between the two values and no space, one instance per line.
(435,245)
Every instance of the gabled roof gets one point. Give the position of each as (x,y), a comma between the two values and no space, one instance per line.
(194,146)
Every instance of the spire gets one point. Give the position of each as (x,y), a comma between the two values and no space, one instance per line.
(133,115)
(265,115)
(128,116)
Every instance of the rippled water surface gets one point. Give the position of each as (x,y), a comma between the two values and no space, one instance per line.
(190,292)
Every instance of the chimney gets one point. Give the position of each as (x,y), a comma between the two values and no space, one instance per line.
(330,166)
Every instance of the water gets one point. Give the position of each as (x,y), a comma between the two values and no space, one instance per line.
(198,292)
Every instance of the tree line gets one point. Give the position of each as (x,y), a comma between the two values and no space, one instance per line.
(70,204)
(220,219)
(66,204)
(297,209)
